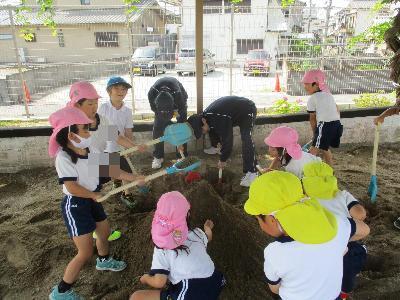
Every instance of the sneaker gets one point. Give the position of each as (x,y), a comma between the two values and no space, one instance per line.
(68,295)
(397,223)
(248,179)
(115,235)
(212,151)
(128,200)
(110,264)
(157,163)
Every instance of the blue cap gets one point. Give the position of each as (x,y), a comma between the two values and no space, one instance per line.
(117,80)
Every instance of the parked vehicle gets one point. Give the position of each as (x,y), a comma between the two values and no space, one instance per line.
(186,61)
(148,60)
(257,62)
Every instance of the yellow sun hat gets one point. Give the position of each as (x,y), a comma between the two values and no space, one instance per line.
(319,181)
(280,194)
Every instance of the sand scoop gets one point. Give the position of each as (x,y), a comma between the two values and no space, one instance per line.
(184,165)
(373,184)
(174,134)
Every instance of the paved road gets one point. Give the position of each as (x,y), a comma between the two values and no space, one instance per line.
(216,84)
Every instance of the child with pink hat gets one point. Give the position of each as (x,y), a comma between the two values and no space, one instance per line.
(324,115)
(104,132)
(283,146)
(82,215)
(180,255)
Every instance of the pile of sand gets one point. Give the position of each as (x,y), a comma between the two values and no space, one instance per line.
(35,247)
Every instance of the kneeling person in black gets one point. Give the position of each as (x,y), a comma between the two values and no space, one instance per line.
(218,119)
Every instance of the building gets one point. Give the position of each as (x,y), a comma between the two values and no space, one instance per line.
(256,25)
(87,30)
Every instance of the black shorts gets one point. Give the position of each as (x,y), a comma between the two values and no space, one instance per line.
(327,134)
(196,289)
(123,164)
(353,262)
(81,215)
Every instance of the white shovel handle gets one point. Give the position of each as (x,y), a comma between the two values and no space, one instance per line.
(375,151)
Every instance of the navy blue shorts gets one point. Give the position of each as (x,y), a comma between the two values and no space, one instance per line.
(327,134)
(353,262)
(196,289)
(81,215)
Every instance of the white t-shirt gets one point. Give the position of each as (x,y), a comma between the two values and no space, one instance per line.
(79,172)
(195,264)
(308,271)
(121,117)
(105,132)
(295,166)
(341,204)
(324,105)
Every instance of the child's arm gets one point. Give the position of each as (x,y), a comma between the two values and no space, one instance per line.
(130,177)
(127,143)
(358,212)
(129,133)
(208,226)
(274,288)
(79,191)
(157,281)
(361,231)
(313,121)
(387,113)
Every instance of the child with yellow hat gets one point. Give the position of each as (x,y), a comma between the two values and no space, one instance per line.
(306,260)
(320,183)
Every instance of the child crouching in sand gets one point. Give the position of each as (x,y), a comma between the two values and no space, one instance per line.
(180,256)
(82,215)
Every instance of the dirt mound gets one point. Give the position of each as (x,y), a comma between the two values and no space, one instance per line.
(35,248)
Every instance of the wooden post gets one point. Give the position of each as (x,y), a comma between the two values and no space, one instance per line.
(199,55)
(21,77)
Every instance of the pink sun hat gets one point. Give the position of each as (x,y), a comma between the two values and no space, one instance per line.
(169,229)
(82,90)
(285,137)
(317,76)
(62,118)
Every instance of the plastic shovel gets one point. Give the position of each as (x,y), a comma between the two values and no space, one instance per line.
(373,184)
(184,165)
(174,134)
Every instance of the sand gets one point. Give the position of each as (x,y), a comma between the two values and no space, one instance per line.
(35,247)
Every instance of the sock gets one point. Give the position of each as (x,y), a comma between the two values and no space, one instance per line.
(104,258)
(344,295)
(64,286)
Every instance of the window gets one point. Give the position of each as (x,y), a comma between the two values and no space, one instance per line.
(106,39)
(32,38)
(60,36)
(216,7)
(85,2)
(243,46)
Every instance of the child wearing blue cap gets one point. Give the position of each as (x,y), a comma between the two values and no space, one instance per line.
(118,114)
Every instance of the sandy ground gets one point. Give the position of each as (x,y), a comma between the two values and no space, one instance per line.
(35,247)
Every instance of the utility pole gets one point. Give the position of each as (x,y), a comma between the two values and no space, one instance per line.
(324,46)
(309,18)
(231,58)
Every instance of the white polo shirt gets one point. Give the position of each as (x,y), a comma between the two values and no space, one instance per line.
(102,135)
(195,264)
(324,105)
(308,271)
(79,172)
(341,204)
(121,117)
(295,166)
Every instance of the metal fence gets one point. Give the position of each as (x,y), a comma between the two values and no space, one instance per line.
(257,50)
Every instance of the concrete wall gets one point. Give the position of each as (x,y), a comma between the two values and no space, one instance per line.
(26,153)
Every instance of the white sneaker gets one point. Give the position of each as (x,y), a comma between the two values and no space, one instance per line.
(248,179)
(212,151)
(157,163)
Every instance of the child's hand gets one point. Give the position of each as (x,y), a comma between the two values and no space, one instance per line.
(141,180)
(209,224)
(142,148)
(221,164)
(97,196)
(378,120)
(143,279)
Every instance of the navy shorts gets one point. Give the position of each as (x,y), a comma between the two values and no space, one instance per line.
(353,263)
(81,215)
(327,134)
(196,289)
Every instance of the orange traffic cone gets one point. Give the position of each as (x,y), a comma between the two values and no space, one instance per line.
(277,83)
(27,93)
